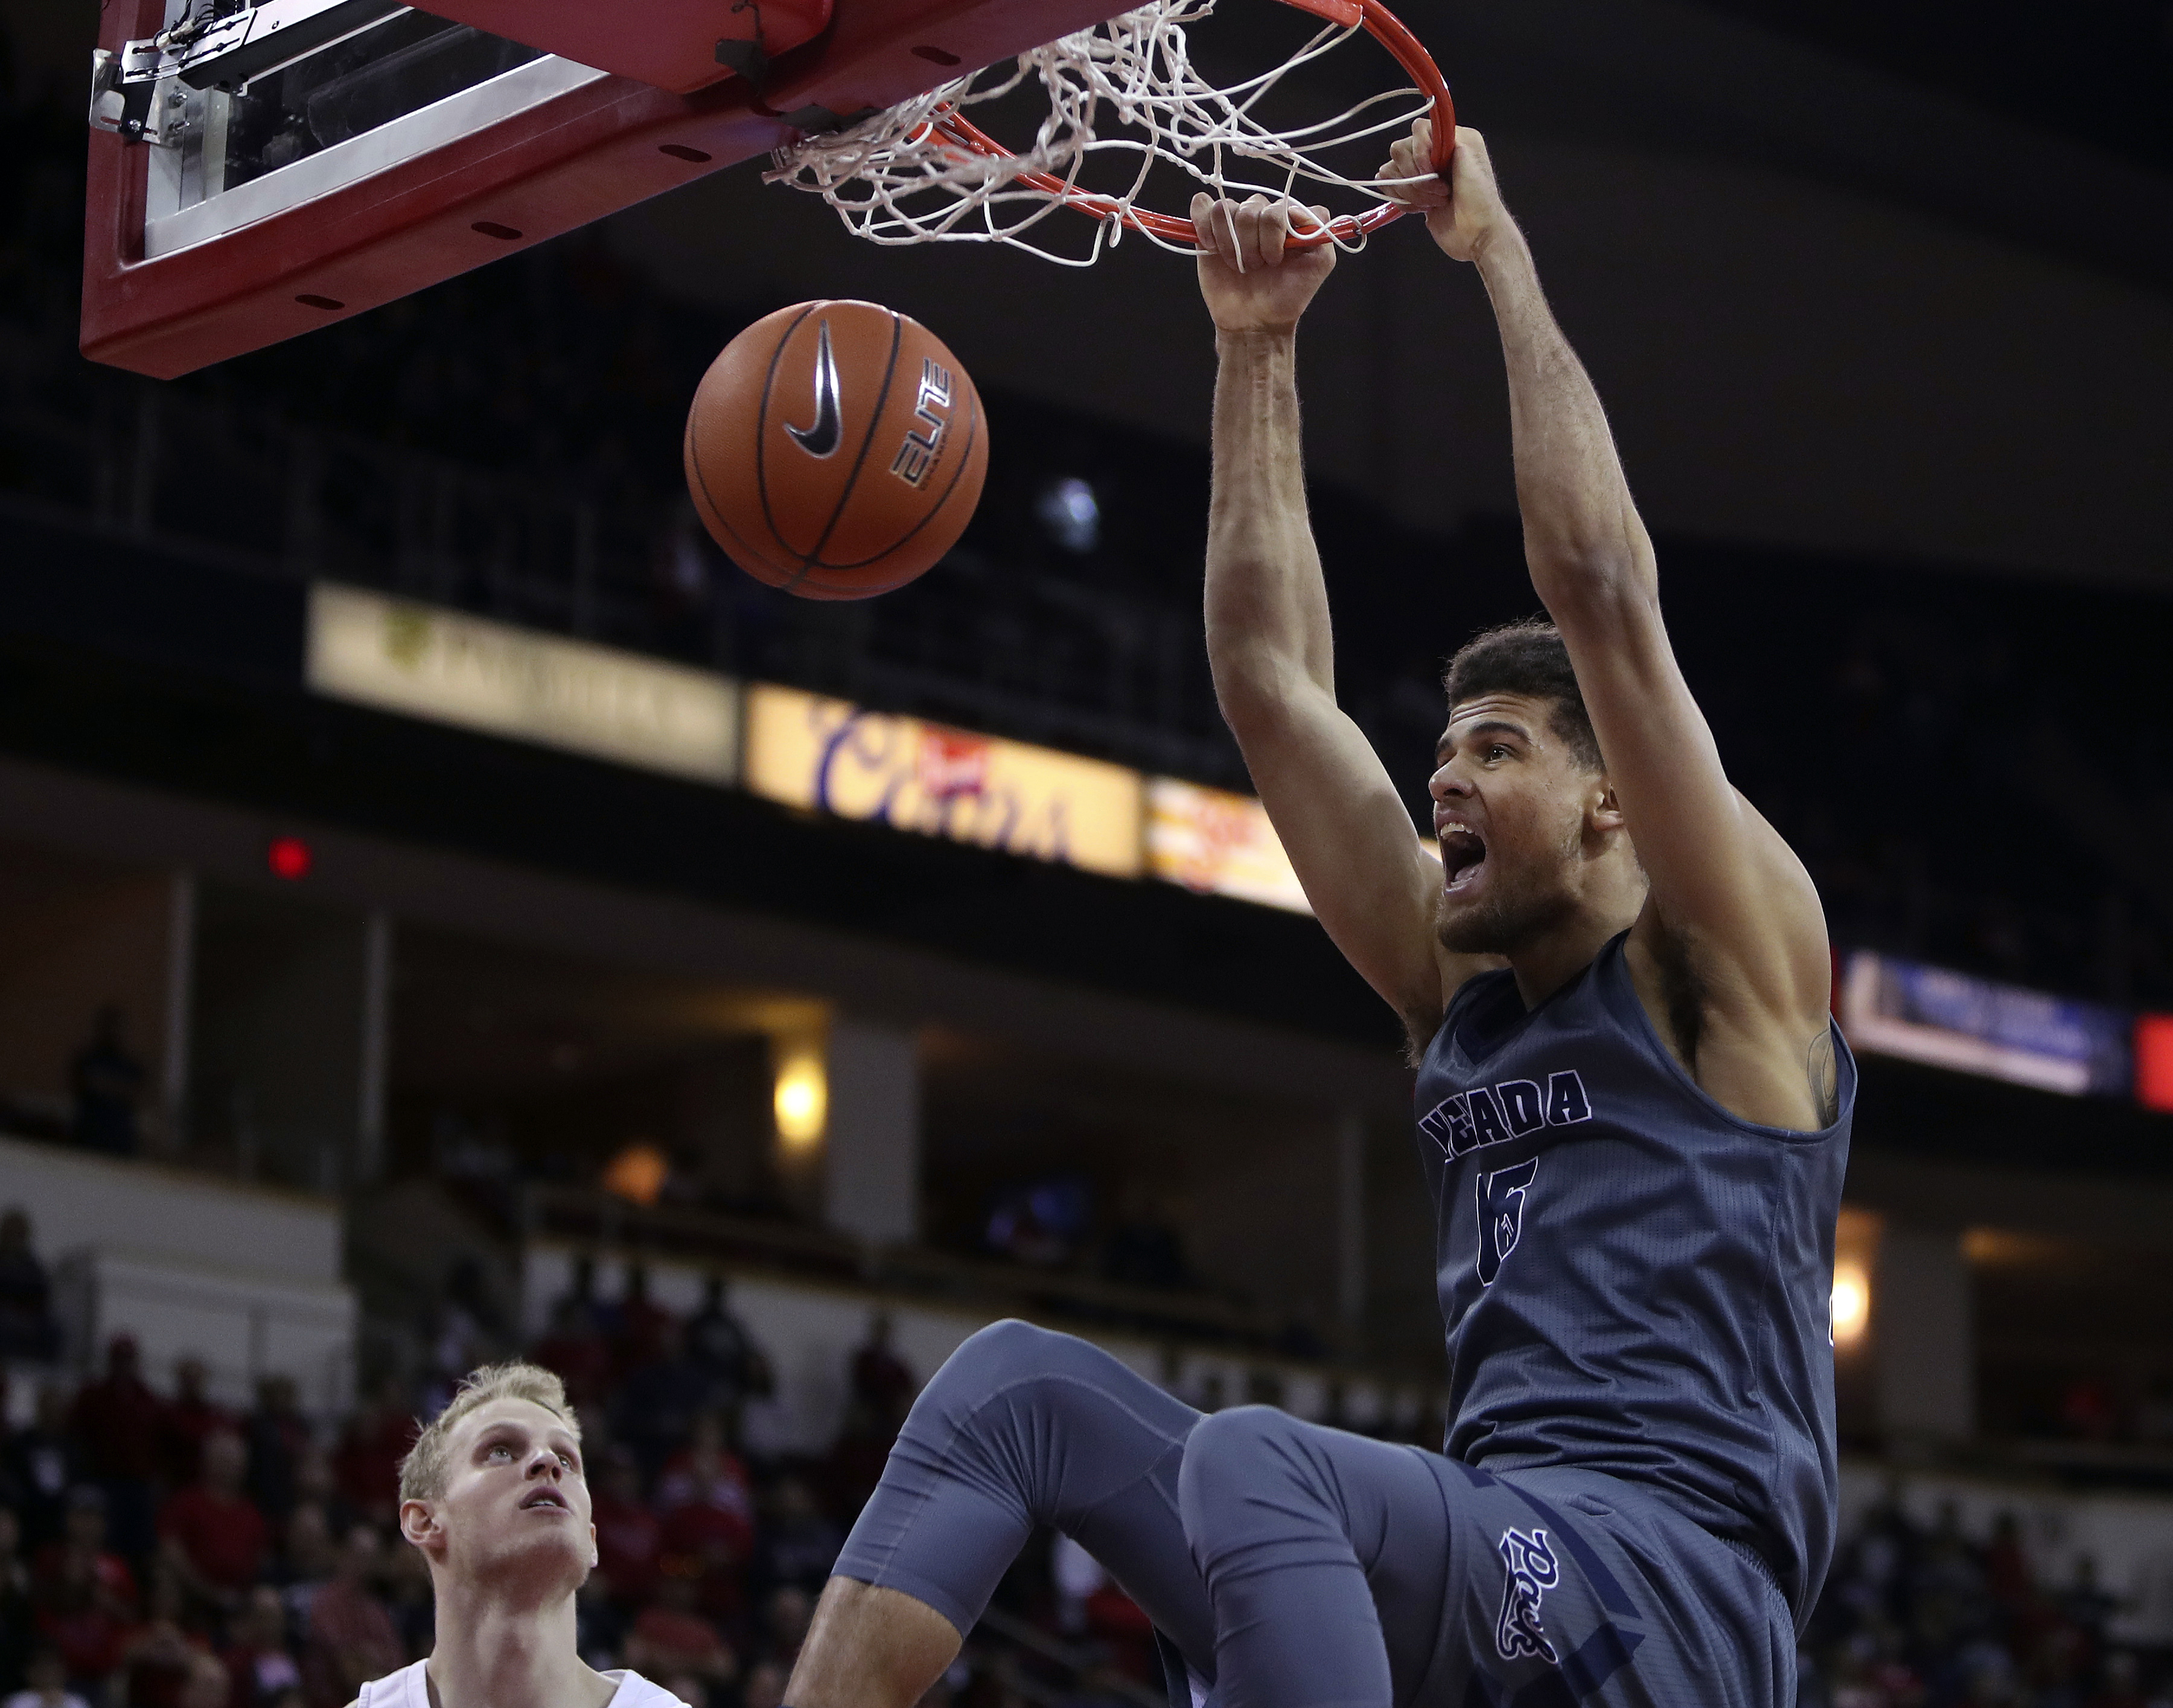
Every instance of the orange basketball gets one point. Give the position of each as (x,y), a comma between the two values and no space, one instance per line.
(836,449)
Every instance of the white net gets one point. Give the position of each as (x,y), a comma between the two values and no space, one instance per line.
(899,177)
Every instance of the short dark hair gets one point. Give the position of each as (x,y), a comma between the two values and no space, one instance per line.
(1526,658)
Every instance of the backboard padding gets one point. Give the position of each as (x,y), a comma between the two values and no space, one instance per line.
(586,152)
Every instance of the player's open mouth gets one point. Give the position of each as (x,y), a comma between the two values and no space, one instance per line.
(547,1497)
(1462,857)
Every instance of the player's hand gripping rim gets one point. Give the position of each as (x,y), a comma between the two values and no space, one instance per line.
(1462,208)
(1254,276)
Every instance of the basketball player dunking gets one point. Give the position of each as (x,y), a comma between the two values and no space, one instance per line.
(494,1496)
(1632,1115)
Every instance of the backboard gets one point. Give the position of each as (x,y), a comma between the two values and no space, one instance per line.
(261,167)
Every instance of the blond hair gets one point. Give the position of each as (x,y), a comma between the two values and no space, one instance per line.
(423,1471)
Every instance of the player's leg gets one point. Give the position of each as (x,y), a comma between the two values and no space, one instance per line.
(1347,1572)
(1326,1557)
(1020,1428)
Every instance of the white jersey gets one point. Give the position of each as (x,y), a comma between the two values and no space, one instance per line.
(408,1688)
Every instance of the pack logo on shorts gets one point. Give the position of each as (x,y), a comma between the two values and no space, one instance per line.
(1533,1571)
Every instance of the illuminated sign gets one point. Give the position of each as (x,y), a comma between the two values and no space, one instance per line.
(455,668)
(1950,1019)
(2154,1061)
(1221,843)
(830,756)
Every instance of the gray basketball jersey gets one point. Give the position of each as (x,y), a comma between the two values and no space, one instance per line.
(1633,1280)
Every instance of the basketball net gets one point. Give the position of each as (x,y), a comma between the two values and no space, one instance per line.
(923,172)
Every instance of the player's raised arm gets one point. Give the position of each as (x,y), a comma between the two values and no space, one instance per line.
(1733,901)
(1268,635)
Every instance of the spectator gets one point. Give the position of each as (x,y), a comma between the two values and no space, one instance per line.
(18,1626)
(261,1666)
(672,1635)
(40,1463)
(464,1332)
(2088,1605)
(159,1653)
(2121,1685)
(659,1400)
(46,1685)
(799,1544)
(576,1349)
(214,1537)
(629,1535)
(708,1515)
(785,1617)
(579,1306)
(351,1638)
(207,1685)
(108,1083)
(881,1381)
(765,1685)
(409,1599)
(186,1419)
(882,1388)
(368,1464)
(638,1325)
(306,1564)
(27,1330)
(719,1345)
(279,1440)
(115,1422)
(315,1480)
(84,1596)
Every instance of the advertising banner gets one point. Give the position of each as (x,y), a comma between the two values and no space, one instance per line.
(1220,843)
(452,668)
(1950,1019)
(830,756)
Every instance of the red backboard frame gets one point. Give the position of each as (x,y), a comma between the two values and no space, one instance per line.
(576,157)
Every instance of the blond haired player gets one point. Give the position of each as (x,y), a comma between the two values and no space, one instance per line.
(494,1496)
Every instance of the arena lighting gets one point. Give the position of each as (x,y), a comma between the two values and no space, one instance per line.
(802,1095)
(1852,1302)
(289,858)
(1071,513)
(637,1174)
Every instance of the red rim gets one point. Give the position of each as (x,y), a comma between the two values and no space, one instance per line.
(1382,24)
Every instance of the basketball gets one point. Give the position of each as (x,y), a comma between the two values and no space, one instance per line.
(836,449)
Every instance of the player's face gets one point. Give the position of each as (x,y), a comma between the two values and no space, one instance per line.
(1509,805)
(516,1501)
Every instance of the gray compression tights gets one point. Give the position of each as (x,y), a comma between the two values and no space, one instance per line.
(1293,1566)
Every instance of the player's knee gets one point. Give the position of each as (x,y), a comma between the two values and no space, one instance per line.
(1235,1455)
(1000,1356)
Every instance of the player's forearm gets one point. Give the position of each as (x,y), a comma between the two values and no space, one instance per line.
(1582,536)
(1267,605)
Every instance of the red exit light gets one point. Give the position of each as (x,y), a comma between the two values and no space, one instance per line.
(2154,1061)
(288,857)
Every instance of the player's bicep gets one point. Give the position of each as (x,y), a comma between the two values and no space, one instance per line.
(1352,845)
(1718,871)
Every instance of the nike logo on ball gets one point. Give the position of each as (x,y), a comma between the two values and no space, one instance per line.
(823,438)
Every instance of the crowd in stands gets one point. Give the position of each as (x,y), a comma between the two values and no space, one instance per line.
(1921,1616)
(159,1550)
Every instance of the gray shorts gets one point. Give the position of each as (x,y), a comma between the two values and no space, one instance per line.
(1291,1565)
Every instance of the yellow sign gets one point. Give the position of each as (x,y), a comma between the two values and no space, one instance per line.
(452,668)
(1210,840)
(830,756)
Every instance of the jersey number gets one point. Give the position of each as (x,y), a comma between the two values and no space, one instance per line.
(1501,1215)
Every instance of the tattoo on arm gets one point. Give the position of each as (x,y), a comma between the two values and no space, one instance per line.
(1825,1077)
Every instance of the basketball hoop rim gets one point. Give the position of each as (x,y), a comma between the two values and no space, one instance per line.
(1376,20)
